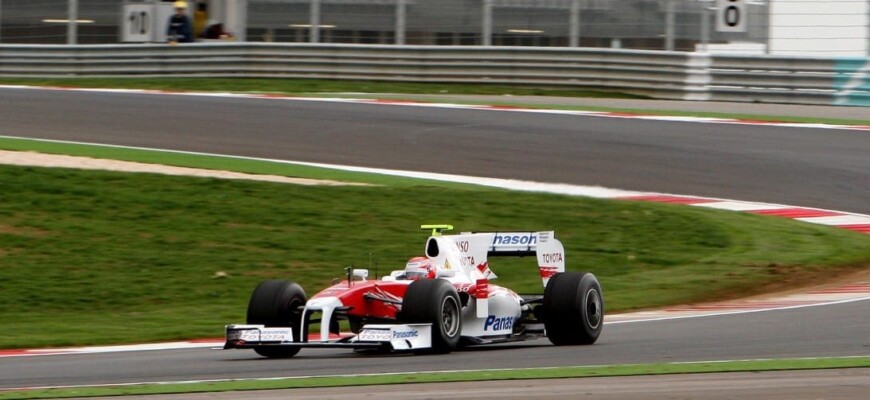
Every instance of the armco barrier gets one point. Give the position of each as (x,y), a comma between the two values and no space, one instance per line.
(666,75)
(807,80)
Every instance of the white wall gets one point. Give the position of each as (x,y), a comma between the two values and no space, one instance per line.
(819,27)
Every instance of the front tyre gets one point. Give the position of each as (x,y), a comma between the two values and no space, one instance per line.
(275,303)
(573,309)
(434,301)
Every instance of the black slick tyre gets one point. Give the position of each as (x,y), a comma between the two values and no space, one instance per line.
(573,309)
(434,301)
(275,303)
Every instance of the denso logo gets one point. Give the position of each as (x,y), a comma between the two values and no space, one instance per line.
(498,324)
(405,334)
(521,239)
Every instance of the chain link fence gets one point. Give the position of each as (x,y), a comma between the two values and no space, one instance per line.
(630,24)
(815,27)
(47,21)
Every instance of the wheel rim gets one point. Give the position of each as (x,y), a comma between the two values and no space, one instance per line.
(449,316)
(593,308)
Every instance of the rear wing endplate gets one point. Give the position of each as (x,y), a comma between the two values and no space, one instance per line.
(548,250)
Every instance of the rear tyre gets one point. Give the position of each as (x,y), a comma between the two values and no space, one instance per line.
(275,303)
(434,301)
(573,309)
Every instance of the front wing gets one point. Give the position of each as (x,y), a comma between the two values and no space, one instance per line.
(384,336)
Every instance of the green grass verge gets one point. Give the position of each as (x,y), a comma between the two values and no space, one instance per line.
(441,377)
(409,91)
(303,86)
(224,163)
(96,257)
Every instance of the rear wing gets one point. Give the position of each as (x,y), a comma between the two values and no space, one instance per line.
(515,244)
(548,250)
(469,251)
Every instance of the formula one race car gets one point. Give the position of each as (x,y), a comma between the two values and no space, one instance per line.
(437,303)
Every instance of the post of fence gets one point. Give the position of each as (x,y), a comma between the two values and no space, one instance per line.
(486,40)
(669,25)
(314,30)
(574,39)
(401,16)
(72,21)
(705,27)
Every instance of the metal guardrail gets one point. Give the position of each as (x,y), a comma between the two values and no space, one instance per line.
(666,75)
(808,80)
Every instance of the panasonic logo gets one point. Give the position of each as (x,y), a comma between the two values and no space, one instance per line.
(405,334)
(527,239)
(498,324)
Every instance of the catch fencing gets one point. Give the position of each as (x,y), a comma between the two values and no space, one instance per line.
(658,74)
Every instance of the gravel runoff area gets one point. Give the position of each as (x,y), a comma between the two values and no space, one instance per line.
(32,159)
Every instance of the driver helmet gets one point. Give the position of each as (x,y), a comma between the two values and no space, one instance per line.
(419,268)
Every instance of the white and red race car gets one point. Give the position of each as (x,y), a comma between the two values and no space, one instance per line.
(448,304)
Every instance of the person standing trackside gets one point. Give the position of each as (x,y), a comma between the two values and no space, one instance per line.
(180,29)
(200,19)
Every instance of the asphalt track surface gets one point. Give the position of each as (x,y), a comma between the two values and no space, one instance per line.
(807,167)
(836,330)
(802,167)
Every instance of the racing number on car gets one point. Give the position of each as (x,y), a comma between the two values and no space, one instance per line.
(731,16)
